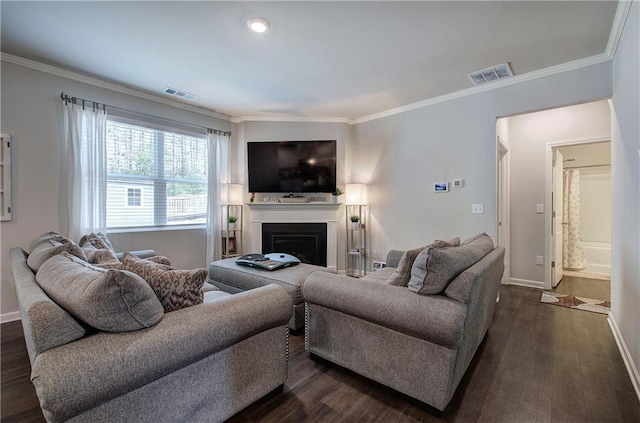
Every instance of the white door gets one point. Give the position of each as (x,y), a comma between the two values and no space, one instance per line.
(556,219)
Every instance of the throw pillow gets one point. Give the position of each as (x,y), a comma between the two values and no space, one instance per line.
(402,273)
(443,265)
(108,300)
(174,288)
(99,241)
(159,260)
(419,267)
(50,248)
(55,236)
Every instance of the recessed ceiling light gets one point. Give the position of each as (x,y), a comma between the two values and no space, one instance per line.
(258,25)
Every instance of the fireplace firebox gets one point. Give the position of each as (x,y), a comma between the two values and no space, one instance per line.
(306,241)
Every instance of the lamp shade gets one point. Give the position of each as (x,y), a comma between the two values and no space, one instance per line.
(356,193)
(231,194)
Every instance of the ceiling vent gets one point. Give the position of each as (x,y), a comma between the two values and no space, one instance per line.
(178,93)
(493,73)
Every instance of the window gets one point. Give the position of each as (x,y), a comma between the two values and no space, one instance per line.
(166,169)
(134,197)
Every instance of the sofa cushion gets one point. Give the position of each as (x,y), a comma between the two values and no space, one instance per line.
(174,288)
(108,300)
(434,268)
(52,247)
(402,274)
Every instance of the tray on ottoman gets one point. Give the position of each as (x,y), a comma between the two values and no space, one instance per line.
(233,278)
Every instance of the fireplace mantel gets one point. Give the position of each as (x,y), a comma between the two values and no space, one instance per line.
(297,213)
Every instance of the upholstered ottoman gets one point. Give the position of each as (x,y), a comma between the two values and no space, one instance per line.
(230,277)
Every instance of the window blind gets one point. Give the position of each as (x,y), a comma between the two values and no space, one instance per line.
(155,177)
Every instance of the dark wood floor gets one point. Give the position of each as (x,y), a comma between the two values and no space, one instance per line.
(597,289)
(538,363)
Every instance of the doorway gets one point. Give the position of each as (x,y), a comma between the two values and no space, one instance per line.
(582,216)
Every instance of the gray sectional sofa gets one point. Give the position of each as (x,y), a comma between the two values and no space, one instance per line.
(202,363)
(420,345)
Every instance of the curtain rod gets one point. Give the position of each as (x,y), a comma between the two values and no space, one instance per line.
(77,100)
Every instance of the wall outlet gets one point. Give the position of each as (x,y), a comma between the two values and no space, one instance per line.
(477,208)
(540,208)
(539,260)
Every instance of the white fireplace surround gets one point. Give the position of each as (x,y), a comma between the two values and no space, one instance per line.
(296,213)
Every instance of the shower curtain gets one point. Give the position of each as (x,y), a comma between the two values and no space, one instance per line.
(573,253)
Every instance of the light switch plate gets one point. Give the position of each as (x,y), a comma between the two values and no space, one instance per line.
(458,183)
(540,208)
(539,260)
(477,208)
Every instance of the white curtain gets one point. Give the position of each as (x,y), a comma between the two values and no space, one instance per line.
(86,132)
(573,253)
(218,174)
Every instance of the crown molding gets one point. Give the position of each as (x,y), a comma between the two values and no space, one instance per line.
(240,119)
(89,80)
(530,76)
(619,20)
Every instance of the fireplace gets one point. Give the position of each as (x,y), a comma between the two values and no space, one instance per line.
(306,241)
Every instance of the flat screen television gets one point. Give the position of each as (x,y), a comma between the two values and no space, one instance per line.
(292,166)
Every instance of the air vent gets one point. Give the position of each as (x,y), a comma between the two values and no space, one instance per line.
(493,73)
(178,93)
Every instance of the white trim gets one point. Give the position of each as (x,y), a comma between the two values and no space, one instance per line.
(75,76)
(9,317)
(547,195)
(240,119)
(542,73)
(526,282)
(626,355)
(619,20)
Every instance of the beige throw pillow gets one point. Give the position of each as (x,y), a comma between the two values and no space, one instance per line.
(174,288)
(108,300)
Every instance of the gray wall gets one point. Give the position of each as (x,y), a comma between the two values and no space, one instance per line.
(625,178)
(528,137)
(31,113)
(401,156)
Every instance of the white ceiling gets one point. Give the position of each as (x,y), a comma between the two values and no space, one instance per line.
(320,59)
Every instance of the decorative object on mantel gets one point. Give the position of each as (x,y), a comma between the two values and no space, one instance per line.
(253,197)
(356,213)
(337,193)
(294,198)
(270,200)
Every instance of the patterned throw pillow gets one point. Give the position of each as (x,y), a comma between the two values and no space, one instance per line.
(98,249)
(174,288)
(50,248)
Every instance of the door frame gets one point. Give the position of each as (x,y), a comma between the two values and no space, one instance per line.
(503,205)
(548,188)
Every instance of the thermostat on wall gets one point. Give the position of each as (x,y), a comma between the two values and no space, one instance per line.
(441,187)
(458,183)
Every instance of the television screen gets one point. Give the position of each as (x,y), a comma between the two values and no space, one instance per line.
(292,166)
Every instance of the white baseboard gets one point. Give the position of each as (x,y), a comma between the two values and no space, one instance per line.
(526,282)
(9,317)
(626,355)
